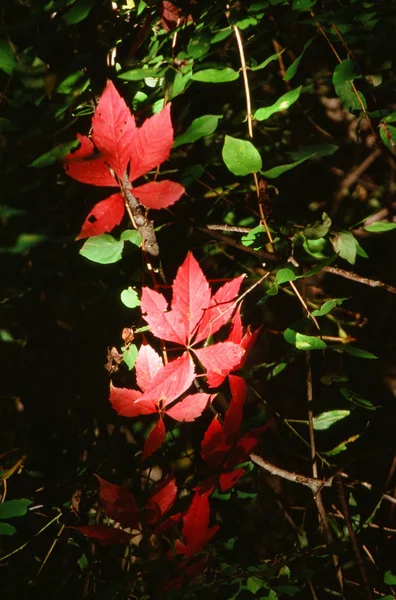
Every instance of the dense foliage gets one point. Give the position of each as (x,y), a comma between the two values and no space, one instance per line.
(230,170)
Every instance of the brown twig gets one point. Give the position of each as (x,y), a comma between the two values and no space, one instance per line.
(314,484)
(354,542)
(360,279)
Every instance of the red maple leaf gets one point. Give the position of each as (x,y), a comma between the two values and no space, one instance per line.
(160,386)
(120,505)
(194,316)
(220,447)
(116,144)
(196,531)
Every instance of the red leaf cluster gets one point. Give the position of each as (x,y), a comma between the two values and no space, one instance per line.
(117,147)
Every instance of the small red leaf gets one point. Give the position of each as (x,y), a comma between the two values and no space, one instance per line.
(171,381)
(220,309)
(107,536)
(147,365)
(114,129)
(236,333)
(213,448)
(161,500)
(190,407)
(86,166)
(124,401)
(119,503)
(228,480)
(104,216)
(196,529)
(234,415)
(219,360)
(154,440)
(170,326)
(245,446)
(151,144)
(158,194)
(245,341)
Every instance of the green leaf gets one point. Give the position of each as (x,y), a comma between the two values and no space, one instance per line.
(303,4)
(103,249)
(344,244)
(199,128)
(380,227)
(281,104)
(14,508)
(355,398)
(7,529)
(303,342)
(68,84)
(7,58)
(191,173)
(130,356)
(254,584)
(199,43)
(267,61)
(292,70)
(130,298)
(343,76)
(388,136)
(282,276)
(49,158)
(327,419)
(253,236)
(240,156)
(133,236)
(389,578)
(353,351)
(215,75)
(277,171)
(319,229)
(327,307)
(319,150)
(139,74)
(317,268)
(79,11)
(341,447)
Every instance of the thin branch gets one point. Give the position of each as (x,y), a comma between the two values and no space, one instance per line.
(359,279)
(245,81)
(313,483)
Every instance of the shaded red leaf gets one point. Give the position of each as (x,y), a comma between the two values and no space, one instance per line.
(168,523)
(171,381)
(107,536)
(219,360)
(118,503)
(228,480)
(151,144)
(220,309)
(113,129)
(190,407)
(170,326)
(161,500)
(213,448)
(124,401)
(245,446)
(170,15)
(104,216)
(87,166)
(147,365)
(158,194)
(196,531)
(234,415)
(154,439)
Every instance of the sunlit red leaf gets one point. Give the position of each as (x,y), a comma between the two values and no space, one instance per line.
(158,194)
(213,448)
(151,144)
(236,335)
(87,166)
(118,503)
(147,365)
(234,415)
(154,439)
(124,401)
(220,309)
(219,360)
(113,129)
(190,408)
(161,500)
(171,381)
(196,531)
(107,536)
(170,326)
(104,216)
